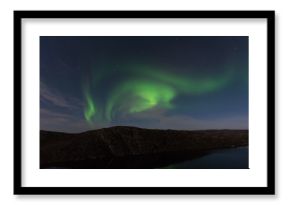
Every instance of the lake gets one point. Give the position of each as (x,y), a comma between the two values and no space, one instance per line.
(232,158)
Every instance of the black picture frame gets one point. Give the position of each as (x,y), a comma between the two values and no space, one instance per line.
(269,189)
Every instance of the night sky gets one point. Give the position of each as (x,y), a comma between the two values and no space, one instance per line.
(174,82)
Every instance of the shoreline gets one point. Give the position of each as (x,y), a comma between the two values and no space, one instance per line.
(132,148)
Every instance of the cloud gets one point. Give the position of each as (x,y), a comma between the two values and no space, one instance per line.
(189,123)
(49,95)
(55,121)
(45,113)
(68,115)
(159,119)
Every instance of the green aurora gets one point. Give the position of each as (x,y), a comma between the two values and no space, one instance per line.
(146,87)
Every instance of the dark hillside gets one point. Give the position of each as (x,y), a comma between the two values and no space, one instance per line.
(131,147)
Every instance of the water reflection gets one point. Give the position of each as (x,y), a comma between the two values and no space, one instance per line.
(235,158)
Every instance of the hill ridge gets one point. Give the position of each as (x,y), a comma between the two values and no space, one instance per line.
(103,145)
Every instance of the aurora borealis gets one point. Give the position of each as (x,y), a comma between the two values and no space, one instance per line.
(152,82)
(147,90)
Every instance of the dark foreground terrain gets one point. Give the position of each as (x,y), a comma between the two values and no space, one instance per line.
(131,147)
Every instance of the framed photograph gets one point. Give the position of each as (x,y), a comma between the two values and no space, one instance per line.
(144,102)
